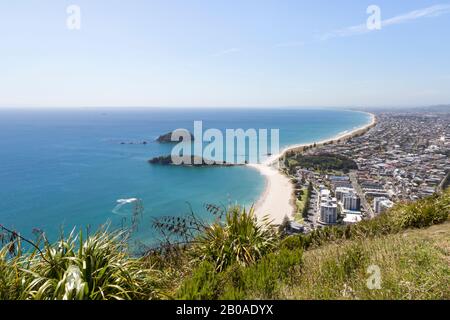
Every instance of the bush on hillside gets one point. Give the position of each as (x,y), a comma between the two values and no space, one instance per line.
(97,268)
(240,239)
(237,282)
(12,284)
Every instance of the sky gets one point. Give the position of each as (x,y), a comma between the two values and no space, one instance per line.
(224,53)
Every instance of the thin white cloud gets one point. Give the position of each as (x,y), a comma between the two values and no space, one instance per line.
(290,44)
(225,52)
(433,11)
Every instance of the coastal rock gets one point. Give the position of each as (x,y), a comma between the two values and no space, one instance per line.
(133,142)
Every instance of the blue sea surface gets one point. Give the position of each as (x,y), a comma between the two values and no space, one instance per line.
(65,168)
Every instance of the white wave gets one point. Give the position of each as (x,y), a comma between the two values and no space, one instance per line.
(121,203)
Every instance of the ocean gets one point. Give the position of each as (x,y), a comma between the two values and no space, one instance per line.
(66,168)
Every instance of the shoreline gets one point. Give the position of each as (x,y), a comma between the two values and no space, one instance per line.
(278,201)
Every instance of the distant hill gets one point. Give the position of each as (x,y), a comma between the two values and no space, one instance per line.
(444,108)
(438,108)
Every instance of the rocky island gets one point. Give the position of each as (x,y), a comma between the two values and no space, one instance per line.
(167,138)
(195,161)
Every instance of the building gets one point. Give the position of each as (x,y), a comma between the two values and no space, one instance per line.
(295,228)
(385,205)
(346,212)
(338,178)
(375,193)
(325,194)
(351,202)
(341,191)
(352,218)
(328,212)
(348,199)
(328,207)
(381,204)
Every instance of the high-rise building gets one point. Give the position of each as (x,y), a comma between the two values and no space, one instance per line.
(328,212)
(341,191)
(351,202)
(328,207)
(381,204)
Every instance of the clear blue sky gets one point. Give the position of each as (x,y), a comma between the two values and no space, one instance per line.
(224,53)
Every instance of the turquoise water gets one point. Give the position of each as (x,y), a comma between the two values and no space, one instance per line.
(66,168)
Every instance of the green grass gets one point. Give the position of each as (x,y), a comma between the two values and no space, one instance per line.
(411,267)
(300,204)
(320,162)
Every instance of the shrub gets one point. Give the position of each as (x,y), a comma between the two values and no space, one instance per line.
(260,280)
(72,269)
(202,285)
(240,239)
(12,281)
(293,242)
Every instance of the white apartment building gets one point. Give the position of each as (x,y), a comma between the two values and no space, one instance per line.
(328,212)
(341,191)
(381,204)
(328,208)
(351,202)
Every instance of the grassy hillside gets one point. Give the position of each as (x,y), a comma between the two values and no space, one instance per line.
(412,264)
(336,263)
(402,254)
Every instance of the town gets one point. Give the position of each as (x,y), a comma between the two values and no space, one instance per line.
(404,157)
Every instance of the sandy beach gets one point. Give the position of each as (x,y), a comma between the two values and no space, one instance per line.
(277,201)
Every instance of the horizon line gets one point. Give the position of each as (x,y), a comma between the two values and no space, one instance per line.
(231,107)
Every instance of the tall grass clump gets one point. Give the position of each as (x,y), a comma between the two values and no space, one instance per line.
(12,282)
(240,239)
(97,268)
